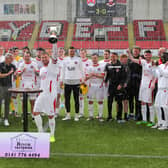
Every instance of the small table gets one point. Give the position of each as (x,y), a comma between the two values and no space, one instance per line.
(25,103)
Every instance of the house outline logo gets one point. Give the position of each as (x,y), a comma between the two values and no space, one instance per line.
(23,143)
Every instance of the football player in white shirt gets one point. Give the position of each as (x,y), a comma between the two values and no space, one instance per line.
(95,77)
(48,100)
(106,58)
(103,63)
(86,64)
(147,86)
(28,70)
(72,76)
(61,55)
(37,60)
(161,100)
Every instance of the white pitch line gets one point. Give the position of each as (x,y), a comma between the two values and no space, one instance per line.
(108,155)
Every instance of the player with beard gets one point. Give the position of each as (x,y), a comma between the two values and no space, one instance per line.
(72,76)
(114,75)
(48,100)
(134,85)
(28,70)
(95,78)
(147,86)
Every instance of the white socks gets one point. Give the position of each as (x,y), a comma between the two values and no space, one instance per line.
(38,121)
(152,114)
(52,126)
(90,109)
(143,111)
(159,115)
(81,107)
(100,106)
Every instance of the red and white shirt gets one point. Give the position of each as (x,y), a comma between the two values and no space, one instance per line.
(49,77)
(28,77)
(94,81)
(103,63)
(86,64)
(147,76)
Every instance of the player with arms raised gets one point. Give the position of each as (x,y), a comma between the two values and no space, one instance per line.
(147,86)
(48,100)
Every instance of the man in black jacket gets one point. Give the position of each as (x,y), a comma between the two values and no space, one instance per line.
(7,69)
(114,75)
(134,85)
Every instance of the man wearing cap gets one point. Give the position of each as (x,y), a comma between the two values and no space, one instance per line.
(7,69)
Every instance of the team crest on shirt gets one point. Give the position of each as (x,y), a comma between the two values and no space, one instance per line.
(111,3)
(91,3)
(76,62)
(87,65)
(31,66)
(98,69)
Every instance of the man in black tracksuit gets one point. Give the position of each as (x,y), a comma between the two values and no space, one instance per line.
(115,77)
(134,85)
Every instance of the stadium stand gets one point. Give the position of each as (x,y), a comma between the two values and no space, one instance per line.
(152,44)
(62,28)
(149,30)
(16,30)
(91,36)
(47,44)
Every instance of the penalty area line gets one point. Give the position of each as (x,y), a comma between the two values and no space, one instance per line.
(108,155)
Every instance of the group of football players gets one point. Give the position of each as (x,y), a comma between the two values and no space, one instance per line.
(132,79)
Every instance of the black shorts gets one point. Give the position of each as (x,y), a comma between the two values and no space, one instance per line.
(125,94)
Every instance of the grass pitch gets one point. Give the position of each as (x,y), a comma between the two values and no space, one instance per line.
(91,144)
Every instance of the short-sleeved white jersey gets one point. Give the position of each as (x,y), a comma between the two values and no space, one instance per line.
(86,63)
(161,73)
(103,63)
(72,69)
(28,77)
(97,69)
(49,77)
(60,65)
(147,76)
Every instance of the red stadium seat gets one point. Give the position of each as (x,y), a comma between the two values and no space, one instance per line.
(149,30)
(10,44)
(25,32)
(86,31)
(62,27)
(100,44)
(152,44)
(46,44)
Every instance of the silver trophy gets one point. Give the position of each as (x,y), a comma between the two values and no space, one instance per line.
(53,35)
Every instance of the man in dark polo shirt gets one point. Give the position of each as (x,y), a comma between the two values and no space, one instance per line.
(7,70)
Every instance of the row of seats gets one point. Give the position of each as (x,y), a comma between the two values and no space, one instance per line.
(88,31)
(62,29)
(146,33)
(149,30)
(17,30)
